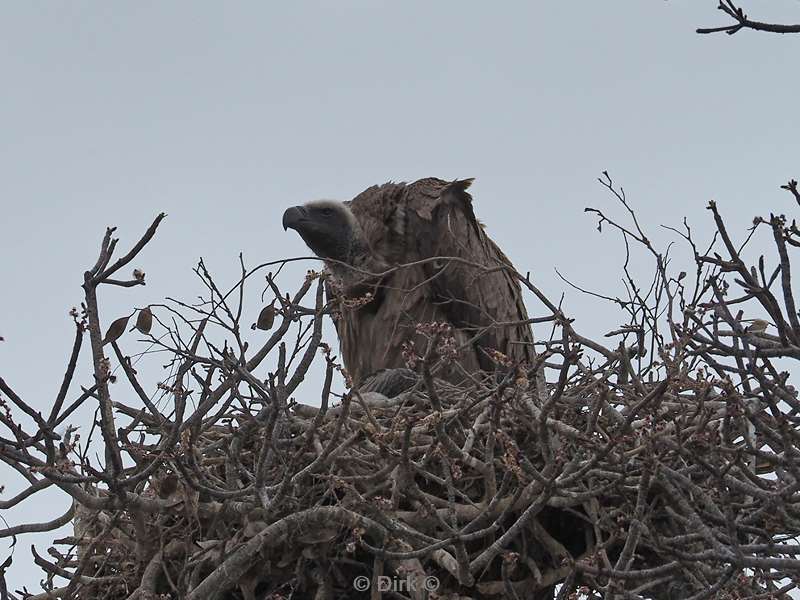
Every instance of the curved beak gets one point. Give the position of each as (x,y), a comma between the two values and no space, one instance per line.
(294,216)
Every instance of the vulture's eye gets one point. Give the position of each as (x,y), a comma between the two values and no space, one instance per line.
(327,212)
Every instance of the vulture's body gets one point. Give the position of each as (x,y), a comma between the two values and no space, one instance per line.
(391,225)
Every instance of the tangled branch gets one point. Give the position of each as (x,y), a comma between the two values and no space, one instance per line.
(661,465)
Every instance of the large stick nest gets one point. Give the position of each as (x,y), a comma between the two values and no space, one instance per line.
(663,466)
(472,495)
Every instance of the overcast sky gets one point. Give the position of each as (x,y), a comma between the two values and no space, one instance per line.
(223,114)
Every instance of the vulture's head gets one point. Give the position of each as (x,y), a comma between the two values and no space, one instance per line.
(327,227)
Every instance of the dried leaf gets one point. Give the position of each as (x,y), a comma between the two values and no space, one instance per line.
(758,326)
(144,322)
(266,318)
(116,329)
(168,485)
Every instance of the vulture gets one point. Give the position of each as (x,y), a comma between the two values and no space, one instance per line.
(407,254)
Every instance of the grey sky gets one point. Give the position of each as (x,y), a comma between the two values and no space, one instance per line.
(222,114)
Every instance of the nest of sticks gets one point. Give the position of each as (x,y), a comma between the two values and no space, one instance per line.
(662,466)
(447,492)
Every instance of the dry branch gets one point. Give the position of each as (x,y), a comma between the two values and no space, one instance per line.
(663,465)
